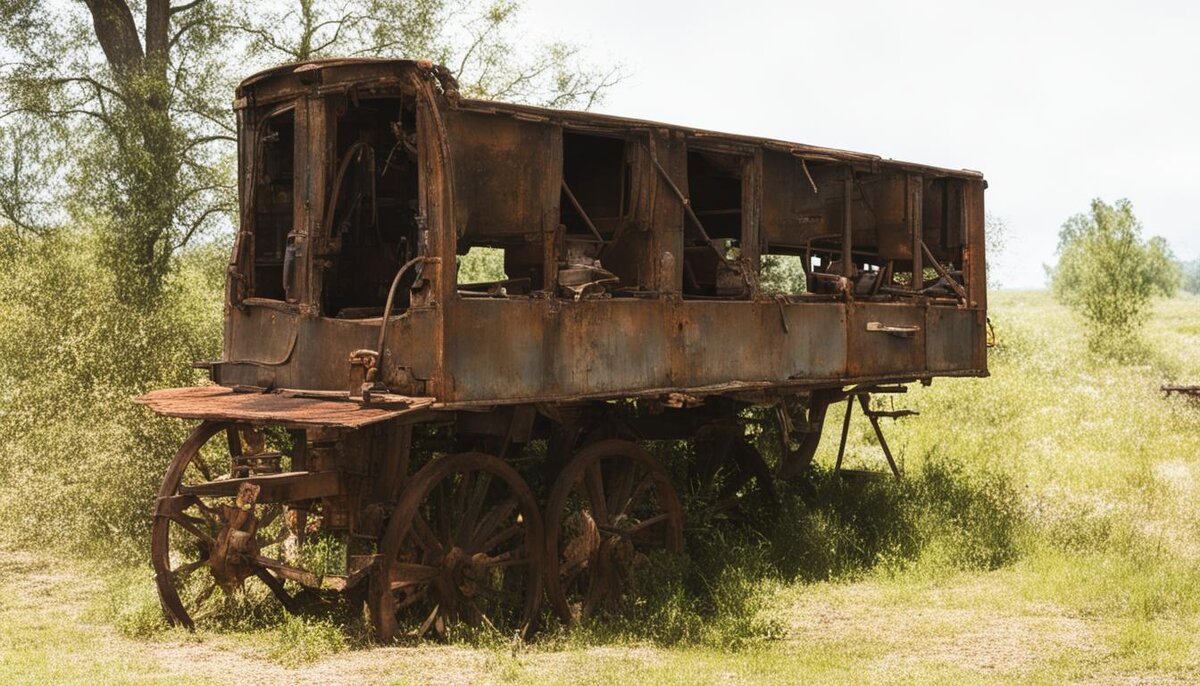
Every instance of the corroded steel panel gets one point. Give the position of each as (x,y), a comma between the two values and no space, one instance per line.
(521,349)
(950,341)
(885,339)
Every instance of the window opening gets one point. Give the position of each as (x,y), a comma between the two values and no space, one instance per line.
(370,222)
(712,248)
(273,204)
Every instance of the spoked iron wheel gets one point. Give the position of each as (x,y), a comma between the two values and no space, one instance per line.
(209,535)
(611,506)
(464,546)
(731,480)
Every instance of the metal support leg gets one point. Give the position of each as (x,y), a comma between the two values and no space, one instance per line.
(862,399)
(845,432)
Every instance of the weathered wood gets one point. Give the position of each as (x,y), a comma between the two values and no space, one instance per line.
(224,404)
(286,487)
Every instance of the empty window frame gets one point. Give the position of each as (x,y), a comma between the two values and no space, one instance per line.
(370,221)
(717,183)
(274,192)
(596,185)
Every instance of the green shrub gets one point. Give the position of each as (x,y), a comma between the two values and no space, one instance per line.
(1108,274)
(79,462)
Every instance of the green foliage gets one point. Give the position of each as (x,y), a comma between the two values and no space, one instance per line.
(1108,273)
(783,274)
(481,265)
(79,462)
(137,139)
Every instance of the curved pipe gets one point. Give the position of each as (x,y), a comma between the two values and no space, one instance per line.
(387,313)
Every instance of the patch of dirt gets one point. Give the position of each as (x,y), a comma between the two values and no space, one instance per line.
(942,625)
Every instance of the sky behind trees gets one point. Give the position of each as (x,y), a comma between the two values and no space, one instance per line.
(1056,102)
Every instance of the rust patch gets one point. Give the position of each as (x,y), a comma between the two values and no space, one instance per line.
(225,404)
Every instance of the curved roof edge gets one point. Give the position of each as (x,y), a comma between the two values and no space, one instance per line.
(290,67)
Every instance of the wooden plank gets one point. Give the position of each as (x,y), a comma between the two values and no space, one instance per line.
(285,487)
(224,404)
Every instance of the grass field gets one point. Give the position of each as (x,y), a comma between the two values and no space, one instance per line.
(1094,580)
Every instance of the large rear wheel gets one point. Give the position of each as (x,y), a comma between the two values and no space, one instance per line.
(611,506)
(464,546)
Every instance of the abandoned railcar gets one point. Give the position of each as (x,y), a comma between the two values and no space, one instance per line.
(369,393)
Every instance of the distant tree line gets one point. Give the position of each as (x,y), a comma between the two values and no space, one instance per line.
(1191,276)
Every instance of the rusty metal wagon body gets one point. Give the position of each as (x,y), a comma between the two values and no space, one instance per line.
(369,391)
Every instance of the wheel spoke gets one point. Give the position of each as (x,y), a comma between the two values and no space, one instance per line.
(190,526)
(428,623)
(490,522)
(482,514)
(413,598)
(203,597)
(272,513)
(201,466)
(276,586)
(507,559)
(300,576)
(462,494)
(426,537)
(623,483)
(593,481)
(643,487)
(188,568)
(646,524)
(466,526)
(590,568)
(410,574)
(502,537)
(444,516)
(482,615)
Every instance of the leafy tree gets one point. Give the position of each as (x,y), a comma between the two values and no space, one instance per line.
(127,102)
(1191,276)
(1109,274)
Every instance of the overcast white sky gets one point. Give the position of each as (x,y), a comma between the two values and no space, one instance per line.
(1056,102)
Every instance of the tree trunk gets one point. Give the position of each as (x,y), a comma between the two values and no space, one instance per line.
(148,164)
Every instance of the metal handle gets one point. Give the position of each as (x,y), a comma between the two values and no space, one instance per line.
(289,262)
(902,331)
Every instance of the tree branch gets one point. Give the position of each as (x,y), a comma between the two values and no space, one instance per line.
(117,33)
(184,7)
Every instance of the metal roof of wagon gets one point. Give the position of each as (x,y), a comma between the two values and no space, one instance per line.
(578,118)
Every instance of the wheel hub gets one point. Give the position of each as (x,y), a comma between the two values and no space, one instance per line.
(232,559)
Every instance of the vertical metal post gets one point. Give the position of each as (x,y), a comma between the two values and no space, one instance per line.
(848,227)
(915,224)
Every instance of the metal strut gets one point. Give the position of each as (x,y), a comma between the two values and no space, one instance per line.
(873,416)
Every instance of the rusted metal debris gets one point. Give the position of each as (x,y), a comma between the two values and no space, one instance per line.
(632,308)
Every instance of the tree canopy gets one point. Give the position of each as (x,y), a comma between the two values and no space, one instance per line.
(118,114)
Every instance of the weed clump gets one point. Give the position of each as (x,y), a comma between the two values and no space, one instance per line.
(301,640)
